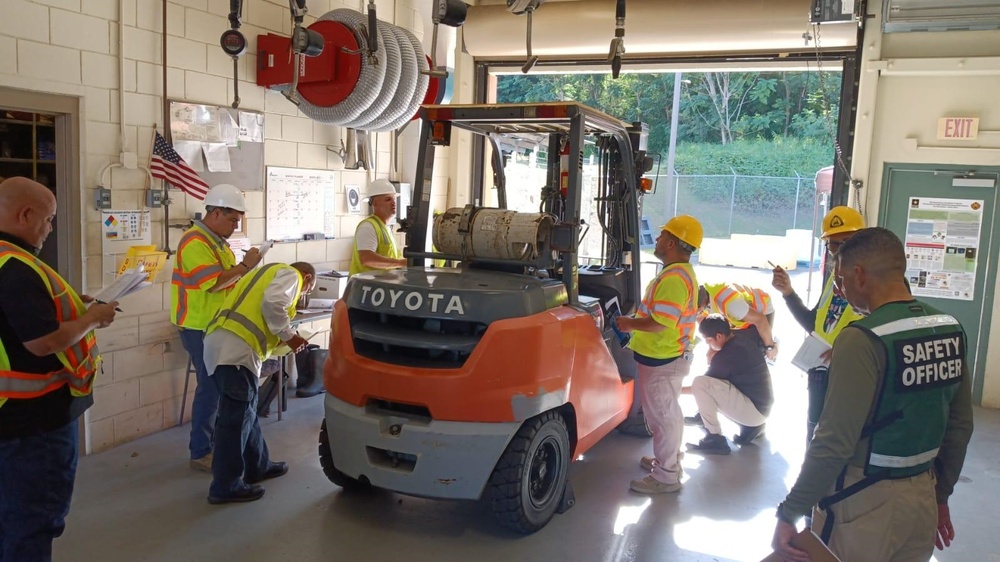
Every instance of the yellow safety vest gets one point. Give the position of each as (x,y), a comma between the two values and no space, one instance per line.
(846,316)
(721,294)
(241,311)
(80,361)
(192,305)
(386,245)
(675,302)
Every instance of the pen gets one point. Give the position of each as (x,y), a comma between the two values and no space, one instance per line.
(102,302)
(771,264)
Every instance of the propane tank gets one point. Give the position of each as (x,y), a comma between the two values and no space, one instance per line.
(499,234)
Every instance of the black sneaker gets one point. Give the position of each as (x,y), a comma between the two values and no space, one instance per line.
(694,420)
(711,444)
(748,434)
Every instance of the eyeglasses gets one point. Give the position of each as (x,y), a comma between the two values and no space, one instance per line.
(833,246)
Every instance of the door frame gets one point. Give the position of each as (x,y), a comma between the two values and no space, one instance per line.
(978,370)
(69,217)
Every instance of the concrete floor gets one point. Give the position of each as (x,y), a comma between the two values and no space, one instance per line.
(141,502)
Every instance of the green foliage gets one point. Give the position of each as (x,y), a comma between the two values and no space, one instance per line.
(781,157)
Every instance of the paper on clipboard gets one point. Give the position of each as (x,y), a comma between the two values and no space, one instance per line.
(809,355)
(808,541)
(283,349)
(265,247)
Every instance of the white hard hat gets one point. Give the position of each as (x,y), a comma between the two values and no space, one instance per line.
(227,196)
(381,187)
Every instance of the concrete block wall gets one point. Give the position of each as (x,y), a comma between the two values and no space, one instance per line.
(71,47)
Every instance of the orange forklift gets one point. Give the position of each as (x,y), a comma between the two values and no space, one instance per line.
(484,381)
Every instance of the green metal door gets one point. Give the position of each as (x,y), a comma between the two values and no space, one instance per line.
(955,194)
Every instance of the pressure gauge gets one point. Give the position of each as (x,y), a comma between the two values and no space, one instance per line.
(233,43)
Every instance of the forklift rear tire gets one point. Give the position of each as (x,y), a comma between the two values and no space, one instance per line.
(528,483)
(331,472)
(635,425)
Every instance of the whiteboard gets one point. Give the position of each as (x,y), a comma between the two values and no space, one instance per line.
(300,201)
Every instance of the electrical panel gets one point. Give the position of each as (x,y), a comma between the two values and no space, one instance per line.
(832,11)
(154,198)
(102,198)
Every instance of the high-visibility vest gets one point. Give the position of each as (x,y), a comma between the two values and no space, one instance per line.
(79,362)
(386,245)
(925,351)
(678,304)
(841,318)
(191,304)
(241,311)
(721,294)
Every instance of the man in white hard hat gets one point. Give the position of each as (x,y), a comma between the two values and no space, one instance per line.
(374,246)
(205,268)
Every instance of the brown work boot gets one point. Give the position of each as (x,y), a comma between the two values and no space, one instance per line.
(204,464)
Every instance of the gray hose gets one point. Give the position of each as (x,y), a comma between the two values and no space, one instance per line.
(389,55)
(419,89)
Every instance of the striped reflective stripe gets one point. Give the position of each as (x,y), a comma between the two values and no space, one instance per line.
(193,280)
(80,360)
(889,461)
(248,325)
(907,324)
(231,314)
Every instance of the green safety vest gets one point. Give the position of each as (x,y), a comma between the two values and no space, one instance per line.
(386,245)
(192,305)
(846,317)
(241,311)
(80,361)
(925,352)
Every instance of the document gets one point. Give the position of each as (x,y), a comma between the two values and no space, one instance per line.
(265,247)
(809,355)
(130,281)
(217,156)
(283,349)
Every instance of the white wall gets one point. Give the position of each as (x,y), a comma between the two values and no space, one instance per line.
(953,74)
(70,47)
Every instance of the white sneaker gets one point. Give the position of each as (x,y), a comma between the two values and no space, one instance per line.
(650,485)
(204,464)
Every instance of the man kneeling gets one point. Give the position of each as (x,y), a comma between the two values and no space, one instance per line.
(737,385)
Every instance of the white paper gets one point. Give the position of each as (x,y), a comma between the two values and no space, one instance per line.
(283,349)
(942,246)
(265,247)
(809,355)
(131,281)
(229,130)
(190,151)
(239,246)
(217,156)
(251,127)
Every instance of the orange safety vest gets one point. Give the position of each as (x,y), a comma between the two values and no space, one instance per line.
(719,297)
(80,361)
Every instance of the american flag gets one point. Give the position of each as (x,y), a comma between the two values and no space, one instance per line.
(167,165)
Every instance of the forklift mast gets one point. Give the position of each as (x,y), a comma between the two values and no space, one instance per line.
(620,151)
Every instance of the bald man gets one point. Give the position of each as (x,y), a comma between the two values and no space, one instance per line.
(48,360)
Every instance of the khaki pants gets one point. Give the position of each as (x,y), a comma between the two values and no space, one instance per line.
(716,396)
(890,521)
(659,389)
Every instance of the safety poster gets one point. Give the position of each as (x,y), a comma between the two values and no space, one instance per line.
(942,246)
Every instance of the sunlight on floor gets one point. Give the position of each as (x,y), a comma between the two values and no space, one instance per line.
(629,515)
(733,540)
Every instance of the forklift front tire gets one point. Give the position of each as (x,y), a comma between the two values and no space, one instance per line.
(331,472)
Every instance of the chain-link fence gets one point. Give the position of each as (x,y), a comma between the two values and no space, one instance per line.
(734,203)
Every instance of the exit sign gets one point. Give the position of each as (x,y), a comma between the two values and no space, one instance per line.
(958,128)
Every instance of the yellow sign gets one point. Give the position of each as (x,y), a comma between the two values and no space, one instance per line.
(958,128)
(146,257)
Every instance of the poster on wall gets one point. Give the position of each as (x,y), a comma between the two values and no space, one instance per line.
(125,226)
(942,247)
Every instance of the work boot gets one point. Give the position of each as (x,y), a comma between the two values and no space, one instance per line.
(309,364)
(204,464)
(275,470)
(248,494)
(650,485)
(694,420)
(748,434)
(648,463)
(711,444)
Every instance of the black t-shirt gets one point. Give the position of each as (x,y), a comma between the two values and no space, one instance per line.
(28,313)
(741,363)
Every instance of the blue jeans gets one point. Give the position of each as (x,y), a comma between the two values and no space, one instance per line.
(205,406)
(240,449)
(36,484)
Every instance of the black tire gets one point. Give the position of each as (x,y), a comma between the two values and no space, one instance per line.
(528,483)
(635,425)
(331,472)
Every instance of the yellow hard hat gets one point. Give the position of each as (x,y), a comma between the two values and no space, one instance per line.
(842,219)
(686,228)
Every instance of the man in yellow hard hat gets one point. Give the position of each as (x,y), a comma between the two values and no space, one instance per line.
(205,268)
(831,314)
(662,331)
(374,245)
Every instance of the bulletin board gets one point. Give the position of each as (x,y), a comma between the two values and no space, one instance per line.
(222,144)
(300,201)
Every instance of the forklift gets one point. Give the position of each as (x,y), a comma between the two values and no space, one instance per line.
(484,381)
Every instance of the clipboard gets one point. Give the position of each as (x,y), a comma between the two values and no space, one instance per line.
(614,311)
(808,541)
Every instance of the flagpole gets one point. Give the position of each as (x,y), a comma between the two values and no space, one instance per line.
(166,131)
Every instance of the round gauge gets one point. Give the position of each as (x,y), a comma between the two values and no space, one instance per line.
(233,43)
